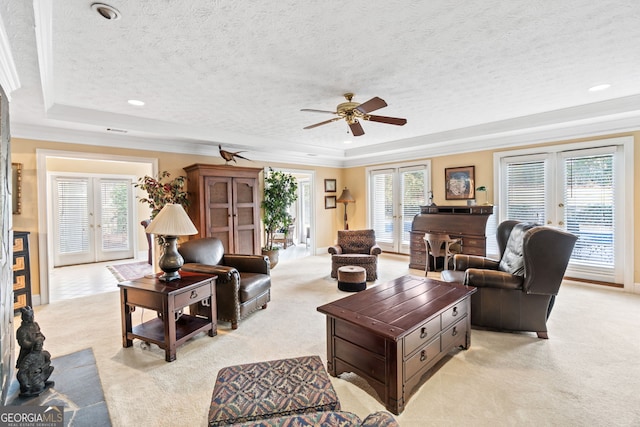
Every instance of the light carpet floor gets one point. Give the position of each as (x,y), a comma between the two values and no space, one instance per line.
(587,373)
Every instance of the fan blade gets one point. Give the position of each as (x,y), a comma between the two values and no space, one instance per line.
(323,123)
(371,105)
(389,120)
(356,128)
(318,111)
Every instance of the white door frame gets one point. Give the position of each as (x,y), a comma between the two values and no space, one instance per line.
(312,220)
(45,249)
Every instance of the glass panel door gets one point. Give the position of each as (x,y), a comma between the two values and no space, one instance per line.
(396,195)
(573,190)
(92,220)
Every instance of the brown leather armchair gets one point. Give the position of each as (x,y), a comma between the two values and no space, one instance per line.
(517,292)
(244,281)
(356,247)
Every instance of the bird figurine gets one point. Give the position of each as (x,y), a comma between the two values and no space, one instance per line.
(229,156)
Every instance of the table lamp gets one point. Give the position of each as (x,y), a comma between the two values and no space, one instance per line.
(172,221)
(346,198)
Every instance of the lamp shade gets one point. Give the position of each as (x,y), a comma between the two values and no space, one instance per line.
(346,197)
(172,220)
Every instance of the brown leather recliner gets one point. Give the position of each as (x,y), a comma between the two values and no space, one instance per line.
(244,281)
(356,247)
(517,292)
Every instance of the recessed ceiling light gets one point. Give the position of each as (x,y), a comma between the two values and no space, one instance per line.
(598,88)
(107,12)
(348,141)
(136,102)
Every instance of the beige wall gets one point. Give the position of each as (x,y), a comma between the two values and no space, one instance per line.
(483,162)
(328,221)
(24,151)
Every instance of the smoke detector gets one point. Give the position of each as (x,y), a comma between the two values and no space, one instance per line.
(107,12)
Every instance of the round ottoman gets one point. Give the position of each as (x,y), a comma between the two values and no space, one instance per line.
(352,278)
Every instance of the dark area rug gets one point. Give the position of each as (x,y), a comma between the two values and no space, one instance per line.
(77,387)
(133,270)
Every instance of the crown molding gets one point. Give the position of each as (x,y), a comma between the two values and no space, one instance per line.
(9,79)
(43,16)
(84,137)
(607,117)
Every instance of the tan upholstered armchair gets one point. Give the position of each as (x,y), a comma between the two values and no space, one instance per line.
(517,292)
(244,281)
(356,247)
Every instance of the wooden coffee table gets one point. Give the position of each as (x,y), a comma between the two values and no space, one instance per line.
(394,333)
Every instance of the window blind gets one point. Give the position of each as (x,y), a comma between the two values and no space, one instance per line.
(382,205)
(526,191)
(73,216)
(589,208)
(115,214)
(413,192)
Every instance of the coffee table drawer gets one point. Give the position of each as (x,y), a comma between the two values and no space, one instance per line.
(455,336)
(455,313)
(422,358)
(425,333)
(185,298)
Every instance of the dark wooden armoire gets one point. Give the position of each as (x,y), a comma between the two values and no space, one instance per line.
(225,203)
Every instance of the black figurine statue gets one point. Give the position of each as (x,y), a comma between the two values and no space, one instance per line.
(34,363)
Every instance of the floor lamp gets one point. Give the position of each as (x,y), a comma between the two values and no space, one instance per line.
(346,198)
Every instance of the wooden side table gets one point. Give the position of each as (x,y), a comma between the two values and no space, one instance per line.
(172,327)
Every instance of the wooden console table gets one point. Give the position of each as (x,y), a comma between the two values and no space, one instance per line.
(172,327)
(394,333)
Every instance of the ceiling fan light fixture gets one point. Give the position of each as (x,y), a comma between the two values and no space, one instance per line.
(109,13)
(352,111)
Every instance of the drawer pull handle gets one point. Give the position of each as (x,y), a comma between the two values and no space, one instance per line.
(455,311)
(454,332)
(193,295)
(423,333)
(423,355)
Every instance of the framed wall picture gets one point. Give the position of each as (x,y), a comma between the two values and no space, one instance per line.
(460,183)
(329,202)
(329,185)
(16,190)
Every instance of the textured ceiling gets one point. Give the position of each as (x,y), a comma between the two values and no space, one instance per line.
(491,73)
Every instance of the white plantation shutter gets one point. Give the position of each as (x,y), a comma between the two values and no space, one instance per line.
(73,225)
(526,189)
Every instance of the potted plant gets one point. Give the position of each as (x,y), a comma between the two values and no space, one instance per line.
(280,191)
(160,193)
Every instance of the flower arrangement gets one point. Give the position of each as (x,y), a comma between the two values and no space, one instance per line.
(162,192)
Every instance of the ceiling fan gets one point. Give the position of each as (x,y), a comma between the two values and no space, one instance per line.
(352,111)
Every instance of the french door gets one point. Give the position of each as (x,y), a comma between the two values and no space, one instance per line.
(575,190)
(396,195)
(92,219)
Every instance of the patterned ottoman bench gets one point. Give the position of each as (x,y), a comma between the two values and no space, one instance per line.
(275,388)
